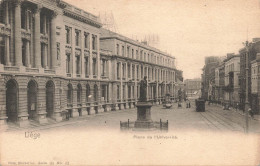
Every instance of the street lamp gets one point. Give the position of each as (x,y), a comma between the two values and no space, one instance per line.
(246,102)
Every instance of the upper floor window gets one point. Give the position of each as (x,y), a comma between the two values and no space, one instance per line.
(136,54)
(123,51)
(44,23)
(117,49)
(86,40)
(77,37)
(68,32)
(2,50)
(128,51)
(133,53)
(94,68)
(94,42)
(26,19)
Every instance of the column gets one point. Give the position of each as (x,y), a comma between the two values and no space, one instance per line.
(17,31)
(45,57)
(98,57)
(41,104)
(7,51)
(90,57)
(53,40)
(3,116)
(37,36)
(7,13)
(23,108)
(75,112)
(28,56)
(82,56)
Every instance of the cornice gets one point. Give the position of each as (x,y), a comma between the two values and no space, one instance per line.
(81,18)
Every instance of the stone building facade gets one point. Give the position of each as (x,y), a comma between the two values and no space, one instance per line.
(56,58)
(231,88)
(192,86)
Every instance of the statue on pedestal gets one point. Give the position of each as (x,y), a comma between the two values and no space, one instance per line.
(143,90)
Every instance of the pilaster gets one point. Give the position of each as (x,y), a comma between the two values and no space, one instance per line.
(17,31)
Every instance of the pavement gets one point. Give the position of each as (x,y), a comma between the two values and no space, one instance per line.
(180,119)
(213,137)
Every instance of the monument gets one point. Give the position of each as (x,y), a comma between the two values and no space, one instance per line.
(144,119)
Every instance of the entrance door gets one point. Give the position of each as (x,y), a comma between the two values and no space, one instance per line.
(11,101)
(49,98)
(32,99)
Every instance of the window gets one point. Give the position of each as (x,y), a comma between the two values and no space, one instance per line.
(128,52)
(124,69)
(24,52)
(94,66)
(142,72)
(103,92)
(58,51)
(118,70)
(117,49)
(137,72)
(79,93)
(86,40)
(133,53)
(2,14)
(68,63)
(103,67)
(129,92)
(77,37)
(86,67)
(2,49)
(133,72)
(129,71)
(124,97)
(87,93)
(44,24)
(94,42)
(136,54)
(123,51)
(118,92)
(77,64)
(68,30)
(69,94)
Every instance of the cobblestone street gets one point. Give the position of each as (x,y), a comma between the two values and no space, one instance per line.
(216,134)
(214,119)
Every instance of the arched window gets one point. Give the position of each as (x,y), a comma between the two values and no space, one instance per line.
(79,93)
(69,94)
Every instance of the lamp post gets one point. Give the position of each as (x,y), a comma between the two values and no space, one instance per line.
(247,79)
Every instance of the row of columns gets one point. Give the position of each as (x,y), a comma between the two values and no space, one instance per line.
(37,42)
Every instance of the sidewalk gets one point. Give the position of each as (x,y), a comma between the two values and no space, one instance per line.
(256,117)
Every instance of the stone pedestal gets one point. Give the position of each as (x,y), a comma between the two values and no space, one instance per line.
(144,119)
(57,116)
(84,112)
(23,121)
(101,109)
(41,118)
(126,106)
(92,111)
(116,107)
(75,113)
(3,124)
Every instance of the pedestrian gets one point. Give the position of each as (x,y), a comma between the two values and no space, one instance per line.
(251,113)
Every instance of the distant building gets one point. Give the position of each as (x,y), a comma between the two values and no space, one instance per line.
(208,76)
(253,71)
(231,88)
(192,87)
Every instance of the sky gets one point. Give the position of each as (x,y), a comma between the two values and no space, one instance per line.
(189,30)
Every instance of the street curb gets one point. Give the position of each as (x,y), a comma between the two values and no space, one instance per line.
(238,112)
(69,122)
